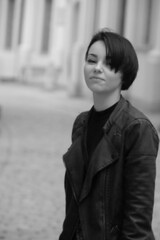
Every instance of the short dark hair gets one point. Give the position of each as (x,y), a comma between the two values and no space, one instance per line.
(122,54)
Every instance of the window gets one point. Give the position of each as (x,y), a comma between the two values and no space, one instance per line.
(148,22)
(21,20)
(121,19)
(143,23)
(46,26)
(9,24)
(75,22)
(96,15)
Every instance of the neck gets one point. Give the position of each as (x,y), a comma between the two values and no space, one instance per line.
(102,102)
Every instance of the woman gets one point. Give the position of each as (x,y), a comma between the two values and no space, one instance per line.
(110,166)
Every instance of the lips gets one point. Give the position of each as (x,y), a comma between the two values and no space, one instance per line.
(96,78)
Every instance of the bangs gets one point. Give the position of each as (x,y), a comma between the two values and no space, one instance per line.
(114,51)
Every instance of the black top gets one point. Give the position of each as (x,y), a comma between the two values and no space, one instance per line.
(96,122)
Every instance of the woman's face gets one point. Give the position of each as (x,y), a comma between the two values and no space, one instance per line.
(99,76)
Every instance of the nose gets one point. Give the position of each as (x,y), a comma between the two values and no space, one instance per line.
(98,67)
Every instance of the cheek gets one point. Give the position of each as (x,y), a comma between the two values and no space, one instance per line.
(118,79)
(113,77)
(86,72)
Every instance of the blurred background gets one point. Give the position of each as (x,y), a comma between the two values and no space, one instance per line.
(42,48)
(43,42)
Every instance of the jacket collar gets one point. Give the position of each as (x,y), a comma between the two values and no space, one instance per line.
(112,119)
(105,154)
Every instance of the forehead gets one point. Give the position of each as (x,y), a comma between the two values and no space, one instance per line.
(98,49)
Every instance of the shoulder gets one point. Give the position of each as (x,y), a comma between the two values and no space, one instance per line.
(133,125)
(78,124)
(139,130)
(130,116)
(80,119)
(135,117)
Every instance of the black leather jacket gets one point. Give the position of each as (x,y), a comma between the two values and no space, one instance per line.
(114,197)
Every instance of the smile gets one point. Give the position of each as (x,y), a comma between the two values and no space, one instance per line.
(97,78)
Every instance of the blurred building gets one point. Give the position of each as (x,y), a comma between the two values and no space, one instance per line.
(43,42)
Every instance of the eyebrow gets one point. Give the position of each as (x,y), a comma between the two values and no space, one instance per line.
(95,55)
(92,54)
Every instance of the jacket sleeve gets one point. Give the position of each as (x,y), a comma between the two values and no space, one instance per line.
(141,148)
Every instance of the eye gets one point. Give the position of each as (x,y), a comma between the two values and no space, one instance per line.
(91,61)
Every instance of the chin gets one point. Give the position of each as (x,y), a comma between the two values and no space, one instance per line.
(96,90)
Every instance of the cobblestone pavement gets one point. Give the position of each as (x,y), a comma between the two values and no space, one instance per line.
(35,130)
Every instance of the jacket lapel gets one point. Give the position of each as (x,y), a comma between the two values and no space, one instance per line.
(105,154)
(74,162)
